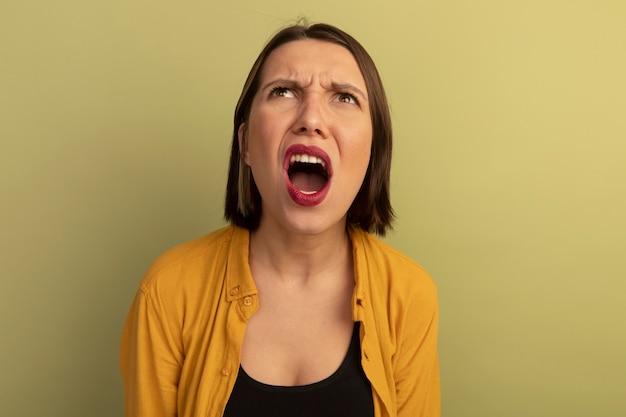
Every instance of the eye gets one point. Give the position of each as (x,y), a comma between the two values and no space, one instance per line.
(281,92)
(347,98)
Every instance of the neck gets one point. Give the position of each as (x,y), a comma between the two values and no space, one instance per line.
(292,256)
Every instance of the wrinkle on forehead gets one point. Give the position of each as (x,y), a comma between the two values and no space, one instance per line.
(305,63)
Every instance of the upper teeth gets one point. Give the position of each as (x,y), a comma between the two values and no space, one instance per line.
(307,159)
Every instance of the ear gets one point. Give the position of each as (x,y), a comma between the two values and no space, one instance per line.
(243,143)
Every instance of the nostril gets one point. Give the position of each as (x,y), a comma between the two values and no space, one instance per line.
(308,129)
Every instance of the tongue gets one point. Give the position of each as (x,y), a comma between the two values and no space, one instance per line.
(307,182)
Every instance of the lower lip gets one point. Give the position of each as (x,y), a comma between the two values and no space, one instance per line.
(306,200)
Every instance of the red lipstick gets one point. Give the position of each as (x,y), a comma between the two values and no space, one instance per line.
(300,154)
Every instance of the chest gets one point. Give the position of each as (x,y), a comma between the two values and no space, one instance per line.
(346,391)
(296,339)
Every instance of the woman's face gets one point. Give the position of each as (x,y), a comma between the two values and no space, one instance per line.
(309,136)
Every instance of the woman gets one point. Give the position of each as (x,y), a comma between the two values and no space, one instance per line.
(293,309)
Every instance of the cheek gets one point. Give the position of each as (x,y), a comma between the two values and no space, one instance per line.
(365,159)
(254,154)
(257,142)
(356,163)
(362,152)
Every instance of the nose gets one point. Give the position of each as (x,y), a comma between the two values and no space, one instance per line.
(311,119)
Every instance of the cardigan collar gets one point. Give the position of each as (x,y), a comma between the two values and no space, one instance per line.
(239,281)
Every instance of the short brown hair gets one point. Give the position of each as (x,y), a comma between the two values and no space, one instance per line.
(371,209)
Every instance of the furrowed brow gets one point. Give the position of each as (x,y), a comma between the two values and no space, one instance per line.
(350,88)
(283,82)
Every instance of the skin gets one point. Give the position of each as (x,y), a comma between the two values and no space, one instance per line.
(312,92)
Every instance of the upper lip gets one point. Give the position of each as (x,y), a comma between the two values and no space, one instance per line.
(301,149)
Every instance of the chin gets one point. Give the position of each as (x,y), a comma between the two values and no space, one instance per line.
(311,224)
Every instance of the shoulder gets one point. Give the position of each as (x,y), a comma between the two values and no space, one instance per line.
(189,259)
(385,258)
(389,270)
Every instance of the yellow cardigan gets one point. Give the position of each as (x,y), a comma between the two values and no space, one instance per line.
(182,338)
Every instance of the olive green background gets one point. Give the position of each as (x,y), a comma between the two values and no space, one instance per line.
(509,181)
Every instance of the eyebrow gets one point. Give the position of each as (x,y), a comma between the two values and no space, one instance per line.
(280,81)
(348,87)
(335,86)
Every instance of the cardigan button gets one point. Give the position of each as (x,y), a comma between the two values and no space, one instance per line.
(247,301)
(235,290)
(225,372)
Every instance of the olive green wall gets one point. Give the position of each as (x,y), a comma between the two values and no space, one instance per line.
(509,182)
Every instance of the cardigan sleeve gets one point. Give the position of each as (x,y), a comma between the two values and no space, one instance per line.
(416,371)
(150,358)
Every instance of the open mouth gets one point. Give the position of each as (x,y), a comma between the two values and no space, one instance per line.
(307,173)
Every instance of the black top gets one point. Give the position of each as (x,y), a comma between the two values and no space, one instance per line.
(347,392)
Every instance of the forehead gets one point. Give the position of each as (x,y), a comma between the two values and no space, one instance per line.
(310,59)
